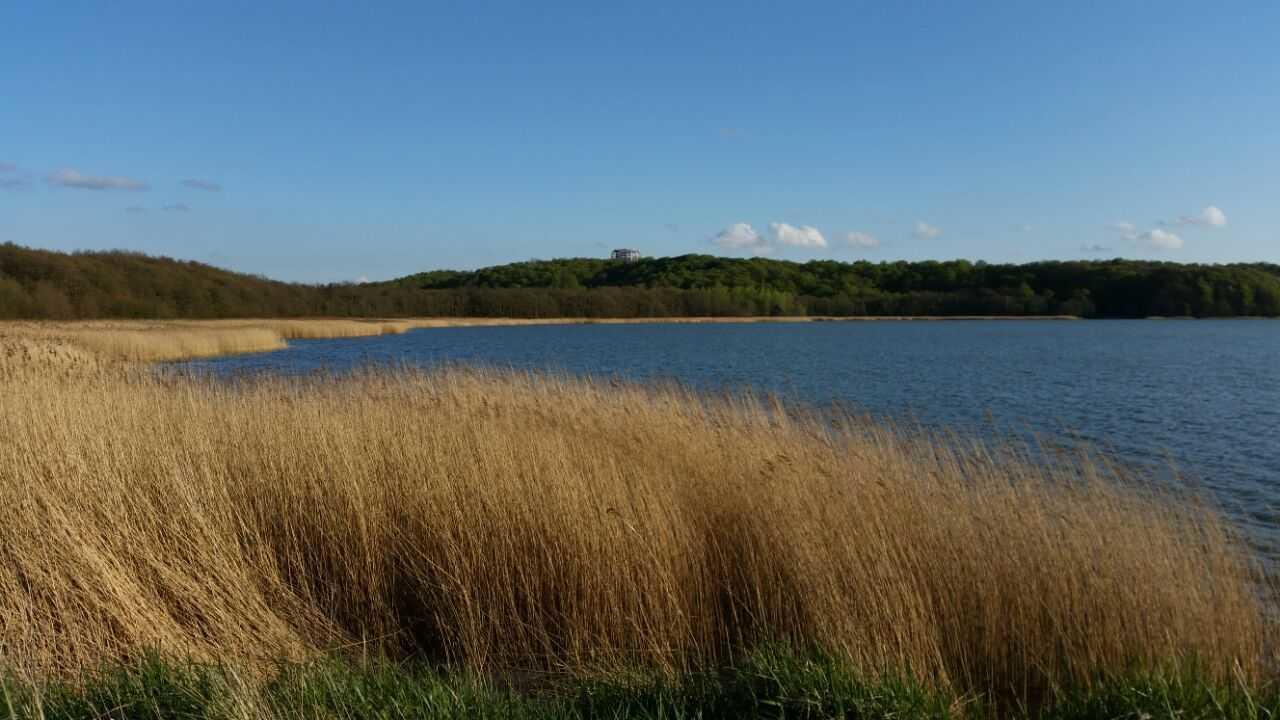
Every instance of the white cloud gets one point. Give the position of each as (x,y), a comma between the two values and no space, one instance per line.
(197,184)
(76,179)
(804,236)
(1155,239)
(1127,230)
(362,280)
(1211,216)
(1158,239)
(1094,248)
(742,237)
(862,240)
(177,207)
(925,231)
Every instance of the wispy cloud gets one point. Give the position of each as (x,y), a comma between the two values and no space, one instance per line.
(1211,216)
(75,179)
(1154,239)
(136,210)
(177,207)
(206,185)
(10,179)
(925,231)
(803,236)
(865,241)
(1095,249)
(741,237)
(1126,229)
(1158,239)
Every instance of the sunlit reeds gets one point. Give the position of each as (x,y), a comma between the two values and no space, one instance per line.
(157,341)
(315,329)
(501,521)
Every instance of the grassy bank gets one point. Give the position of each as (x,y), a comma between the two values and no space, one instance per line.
(513,526)
(764,685)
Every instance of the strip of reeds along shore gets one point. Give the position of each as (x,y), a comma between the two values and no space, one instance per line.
(158,341)
(497,521)
(168,340)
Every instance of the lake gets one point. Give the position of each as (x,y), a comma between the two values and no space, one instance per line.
(1203,395)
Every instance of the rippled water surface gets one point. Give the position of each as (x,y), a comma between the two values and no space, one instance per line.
(1202,394)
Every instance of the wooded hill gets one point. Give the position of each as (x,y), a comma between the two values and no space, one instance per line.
(44,284)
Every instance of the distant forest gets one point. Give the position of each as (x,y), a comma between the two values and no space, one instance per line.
(37,284)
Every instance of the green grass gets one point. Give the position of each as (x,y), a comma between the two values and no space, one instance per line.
(765,686)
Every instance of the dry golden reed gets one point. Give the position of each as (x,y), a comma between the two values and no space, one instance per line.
(152,341)
(499,521)
(168,340)
(314,329)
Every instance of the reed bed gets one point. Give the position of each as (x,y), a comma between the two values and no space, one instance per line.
(116,341)
(176,343)
(140,341)
(316,329)
(506,522)
(23,355)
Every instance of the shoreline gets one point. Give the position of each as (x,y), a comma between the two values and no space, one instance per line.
(89,342)
(490,501)
(607,523)
(708,320)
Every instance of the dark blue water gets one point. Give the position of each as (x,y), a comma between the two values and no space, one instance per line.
(1202,395)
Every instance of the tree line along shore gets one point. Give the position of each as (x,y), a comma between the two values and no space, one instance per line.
(40,284)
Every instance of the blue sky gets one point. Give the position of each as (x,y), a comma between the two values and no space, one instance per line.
(332,141)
